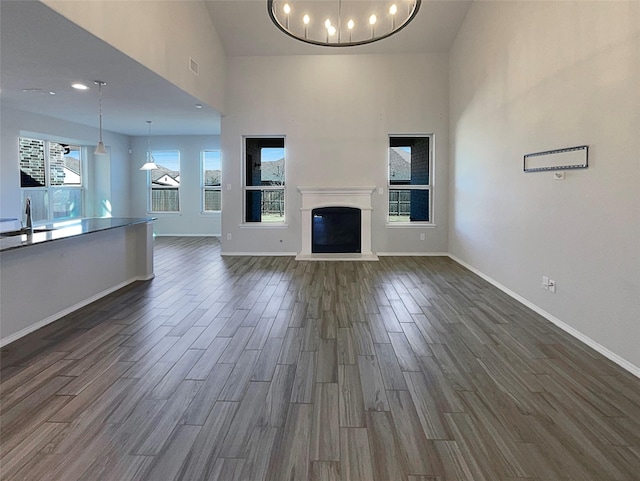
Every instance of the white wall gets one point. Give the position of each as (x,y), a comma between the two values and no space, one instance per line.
(191,220)
(531,76)
(107,178)
(173,31)
(336,112)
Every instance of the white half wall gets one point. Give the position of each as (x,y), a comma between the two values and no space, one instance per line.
(532,76)
(336,112)
(44,282)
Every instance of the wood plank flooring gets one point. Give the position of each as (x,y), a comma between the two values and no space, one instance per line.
(268,369)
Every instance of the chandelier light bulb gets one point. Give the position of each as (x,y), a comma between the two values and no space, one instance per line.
(306,20)
(287,11)
(393,10)
(331,30)
(373,19)
(350,24)
(327,23)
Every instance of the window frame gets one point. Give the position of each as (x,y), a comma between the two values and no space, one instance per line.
(260,188)
(48,189)
(150,187)
(204,188)
(429,187)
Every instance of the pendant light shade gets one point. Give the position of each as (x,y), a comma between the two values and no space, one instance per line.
(100,148)
(149,164)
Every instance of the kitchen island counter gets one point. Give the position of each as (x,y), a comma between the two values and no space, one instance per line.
(64,230)
(49,274)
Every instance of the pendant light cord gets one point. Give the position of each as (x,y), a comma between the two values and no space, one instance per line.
(100,107)
(150,156)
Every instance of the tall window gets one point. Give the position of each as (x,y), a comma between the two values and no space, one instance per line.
(51,175)
(410,166)
(164,182)
(264,179)
(211,177)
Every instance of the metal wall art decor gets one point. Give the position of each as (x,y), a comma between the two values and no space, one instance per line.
(559,159)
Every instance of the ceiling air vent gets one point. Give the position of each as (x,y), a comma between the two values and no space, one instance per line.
(193,65)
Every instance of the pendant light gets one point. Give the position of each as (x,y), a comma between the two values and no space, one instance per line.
(100,149)
(150,163)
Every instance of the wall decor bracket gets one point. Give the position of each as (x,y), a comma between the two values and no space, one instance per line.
(559,159)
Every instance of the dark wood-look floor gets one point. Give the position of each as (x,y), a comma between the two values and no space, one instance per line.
(252,369)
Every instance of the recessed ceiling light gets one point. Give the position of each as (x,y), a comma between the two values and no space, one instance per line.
(79,86)
(198,106)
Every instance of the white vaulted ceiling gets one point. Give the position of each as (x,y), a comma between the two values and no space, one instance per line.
(40,49)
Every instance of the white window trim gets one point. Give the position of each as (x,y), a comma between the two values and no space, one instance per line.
(245,187)
(202,191)
(204,188)
(430,187)
(47,188)
(149,188)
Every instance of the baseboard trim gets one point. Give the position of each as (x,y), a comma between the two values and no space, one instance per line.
(314,256)
(34,327)
(337,257)
(188,235)
(612,356)
(413,254)
(258,254)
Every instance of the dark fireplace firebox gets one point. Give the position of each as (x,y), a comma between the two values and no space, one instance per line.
(336,230)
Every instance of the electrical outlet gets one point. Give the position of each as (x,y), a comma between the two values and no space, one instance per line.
(552,285)
(422,236)
(229,236)
(380,190)
(545,282)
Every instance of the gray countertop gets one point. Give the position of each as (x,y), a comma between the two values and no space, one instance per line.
(64,230)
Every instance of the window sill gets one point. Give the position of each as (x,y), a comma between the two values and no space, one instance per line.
(410,225)
(264,225)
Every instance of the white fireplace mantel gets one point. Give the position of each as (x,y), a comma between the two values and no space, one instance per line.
(317,197)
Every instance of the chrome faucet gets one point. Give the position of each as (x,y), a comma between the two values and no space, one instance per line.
(27,211)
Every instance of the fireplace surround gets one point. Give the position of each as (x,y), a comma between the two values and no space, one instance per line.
(320,197)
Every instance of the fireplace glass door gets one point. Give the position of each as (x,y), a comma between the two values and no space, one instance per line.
(336,230)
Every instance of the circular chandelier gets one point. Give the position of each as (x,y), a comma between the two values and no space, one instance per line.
(341,23)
